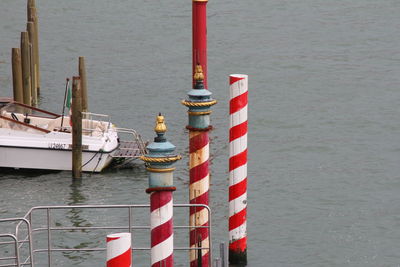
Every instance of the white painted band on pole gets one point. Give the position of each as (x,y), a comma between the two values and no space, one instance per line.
(119,250)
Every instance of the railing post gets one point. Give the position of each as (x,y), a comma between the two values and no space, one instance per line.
(159,162)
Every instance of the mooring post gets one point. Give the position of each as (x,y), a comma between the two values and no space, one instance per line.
(238,169)
(25,63)
(199,38)
(31,32)
(76,128)
(82,74)
(17,75)
(119,250)
(159,162)
(32,17)
(199,103)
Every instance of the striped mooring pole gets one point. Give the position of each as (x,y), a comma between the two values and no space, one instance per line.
(199,103)
(238,169)
(159,162)
(199,38)
(119,250)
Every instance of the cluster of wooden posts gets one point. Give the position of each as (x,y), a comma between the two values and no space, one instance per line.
(25,61)
(26,64)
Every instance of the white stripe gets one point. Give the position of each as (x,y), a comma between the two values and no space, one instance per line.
(118,246)
(200,187)
(238,204)
(199,218)
(162,250)
(238,117)
(237,175)
(161,215)
(239,87)
(199,156)
(238,145)
(238,232)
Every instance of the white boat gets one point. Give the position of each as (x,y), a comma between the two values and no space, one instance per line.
(33,138)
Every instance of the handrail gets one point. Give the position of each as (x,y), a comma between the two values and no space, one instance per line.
(19,243)
(51,228)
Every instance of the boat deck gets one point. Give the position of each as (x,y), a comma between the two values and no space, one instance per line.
(128,149)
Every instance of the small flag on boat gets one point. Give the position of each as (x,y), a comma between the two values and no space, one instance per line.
(68,99)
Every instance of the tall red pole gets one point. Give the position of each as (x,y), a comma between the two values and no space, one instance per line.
(199,35)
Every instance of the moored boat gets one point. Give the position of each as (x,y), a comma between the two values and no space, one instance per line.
(34,138)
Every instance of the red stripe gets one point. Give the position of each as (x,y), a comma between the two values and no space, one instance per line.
(237,190)
(237,220)
(239,245)
(196,233)
(123,260)
(233,79)
(202,199)
(238,160)
(167,262)
(237,131)
(238,103)
(159,199)
(112,238)
(197,142)
(199,172)
(161,233)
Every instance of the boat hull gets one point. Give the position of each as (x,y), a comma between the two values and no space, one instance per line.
(51,159)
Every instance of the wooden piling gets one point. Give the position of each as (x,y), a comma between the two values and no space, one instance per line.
(32,17)
(17,75)
(25,64)
(76,128)
(30,3)
(82,74)
(30,27)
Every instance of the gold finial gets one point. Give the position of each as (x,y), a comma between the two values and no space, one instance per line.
(198,73)
(160,125)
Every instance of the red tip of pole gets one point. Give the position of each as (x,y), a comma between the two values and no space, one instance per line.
(233,79)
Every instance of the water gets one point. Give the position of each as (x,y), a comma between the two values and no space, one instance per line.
(323,140)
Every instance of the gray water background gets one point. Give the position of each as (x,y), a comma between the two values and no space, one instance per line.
(324,137)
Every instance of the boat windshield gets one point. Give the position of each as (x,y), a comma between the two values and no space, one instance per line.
(17,116)
(15,107)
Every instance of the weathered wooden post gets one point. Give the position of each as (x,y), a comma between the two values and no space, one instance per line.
(25,63)
(160,159)
(17,75)
(31,32)
(32,17)
(238,169)
(76,128)
(199,103)
(199,38)
(82,74)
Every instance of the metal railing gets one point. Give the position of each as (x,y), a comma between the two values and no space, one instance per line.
(136,138)
(18,243)
(41,229)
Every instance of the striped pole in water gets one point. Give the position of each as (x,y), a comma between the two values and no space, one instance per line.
(199,103)
(119,253)
(159,163)
(238,169)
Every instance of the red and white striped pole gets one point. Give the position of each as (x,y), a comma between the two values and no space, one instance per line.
(199,38)
(159,164)
(199,104)
(238,169)
(119,250)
